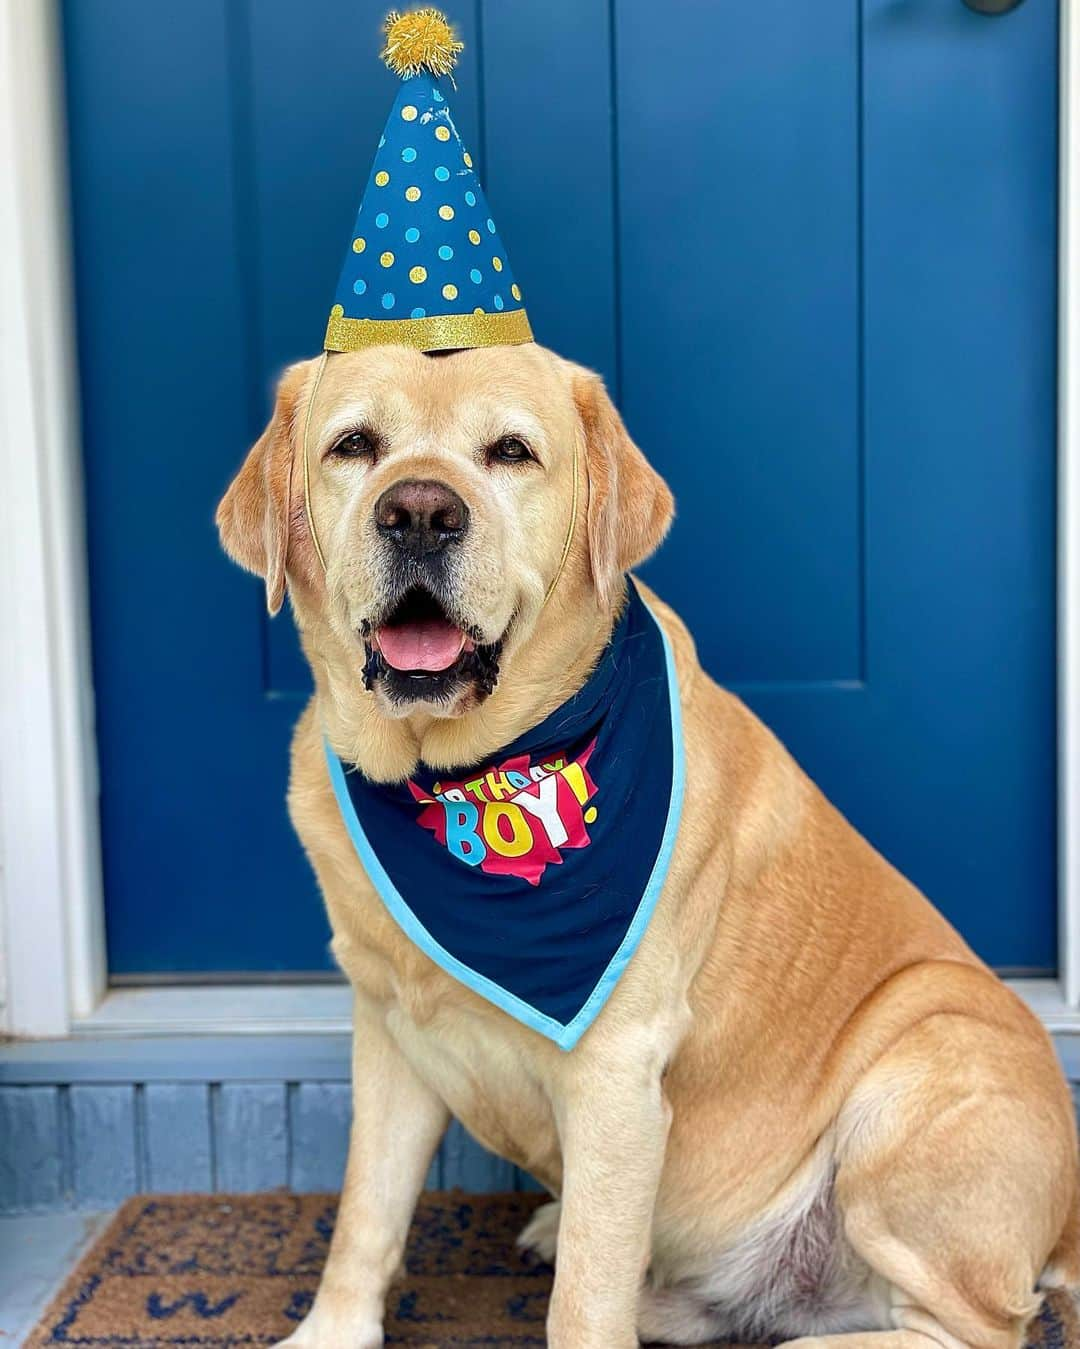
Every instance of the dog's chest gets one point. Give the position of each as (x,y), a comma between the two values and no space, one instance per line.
(485,1067)
(479,1066)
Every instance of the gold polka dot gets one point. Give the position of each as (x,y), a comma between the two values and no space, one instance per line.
(478,310)
(442,133)
(497,264)
(590,815)
(437,788)
(382,178)
(387,259)
(408,113)
(447,212)
(412,194)
(474,236)
(358,245)
(418,274)
(337,312)
(449,292)
(515,291)
(467,158)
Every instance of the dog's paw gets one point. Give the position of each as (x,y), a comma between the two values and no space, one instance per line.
(540,1235)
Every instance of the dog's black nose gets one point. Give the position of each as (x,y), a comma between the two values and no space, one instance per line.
(421,516)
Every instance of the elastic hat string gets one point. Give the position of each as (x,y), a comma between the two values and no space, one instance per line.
(569,531)
(307,471)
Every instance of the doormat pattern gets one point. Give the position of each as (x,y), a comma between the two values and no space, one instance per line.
(214,1272)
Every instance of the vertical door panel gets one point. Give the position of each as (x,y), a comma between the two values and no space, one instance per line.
(739,270)
(550,172)
(961,277)
(201,868)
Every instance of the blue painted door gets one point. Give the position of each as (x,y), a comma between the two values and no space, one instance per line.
(812,250)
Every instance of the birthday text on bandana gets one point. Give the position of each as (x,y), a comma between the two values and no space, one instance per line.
(515,818)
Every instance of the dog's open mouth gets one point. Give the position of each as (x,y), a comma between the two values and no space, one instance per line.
(419,651)
(419,638)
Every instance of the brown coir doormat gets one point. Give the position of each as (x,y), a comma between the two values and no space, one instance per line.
(206,1270)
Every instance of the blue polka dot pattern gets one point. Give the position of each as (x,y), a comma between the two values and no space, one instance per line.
(437,207)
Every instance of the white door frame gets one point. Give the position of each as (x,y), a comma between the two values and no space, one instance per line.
(52,948)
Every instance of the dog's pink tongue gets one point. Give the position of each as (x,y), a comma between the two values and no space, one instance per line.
(431,644)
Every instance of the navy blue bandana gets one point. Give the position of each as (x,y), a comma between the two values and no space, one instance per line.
(531,878)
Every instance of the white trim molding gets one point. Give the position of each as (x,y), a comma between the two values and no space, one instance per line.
(228,1009)
(1047,1000)
(301,1009)
(53,935)
(52,947)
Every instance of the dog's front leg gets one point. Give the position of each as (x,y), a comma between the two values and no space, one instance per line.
(613,1125)
(396,1127)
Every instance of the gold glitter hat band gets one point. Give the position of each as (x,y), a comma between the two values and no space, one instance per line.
(437,332)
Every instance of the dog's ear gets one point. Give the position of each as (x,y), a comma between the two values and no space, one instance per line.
(630,505)
(253,518)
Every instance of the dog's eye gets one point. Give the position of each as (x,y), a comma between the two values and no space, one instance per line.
(356,445)
(509,450)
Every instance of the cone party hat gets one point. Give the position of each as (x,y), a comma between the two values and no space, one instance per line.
(425,267)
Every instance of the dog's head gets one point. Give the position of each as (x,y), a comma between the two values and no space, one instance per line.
(440,495)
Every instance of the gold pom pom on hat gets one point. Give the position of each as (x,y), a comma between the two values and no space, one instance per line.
(420,40)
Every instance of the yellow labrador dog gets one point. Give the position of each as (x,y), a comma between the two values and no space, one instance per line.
(807,1110)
